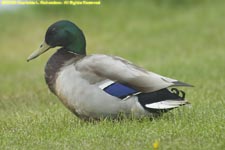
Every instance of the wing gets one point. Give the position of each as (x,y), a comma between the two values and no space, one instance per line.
(123,71)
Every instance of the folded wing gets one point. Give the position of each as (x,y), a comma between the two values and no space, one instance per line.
(122,71)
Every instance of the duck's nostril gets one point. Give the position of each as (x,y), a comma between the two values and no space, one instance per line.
(41,46)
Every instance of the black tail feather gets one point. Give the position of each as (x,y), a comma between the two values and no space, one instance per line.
(160,95)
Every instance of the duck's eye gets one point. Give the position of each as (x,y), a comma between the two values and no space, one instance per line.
(52,32)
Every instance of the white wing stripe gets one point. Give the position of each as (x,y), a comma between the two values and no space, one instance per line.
(106,84)
(167,104)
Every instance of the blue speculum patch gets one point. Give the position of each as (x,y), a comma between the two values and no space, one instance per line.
(119,90)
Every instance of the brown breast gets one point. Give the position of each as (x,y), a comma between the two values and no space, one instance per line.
(55,63)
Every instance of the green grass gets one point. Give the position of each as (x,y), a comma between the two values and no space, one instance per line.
(178,39)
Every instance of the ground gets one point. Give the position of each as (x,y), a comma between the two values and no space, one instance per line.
(179,39)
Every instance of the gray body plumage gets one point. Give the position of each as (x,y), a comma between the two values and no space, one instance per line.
(77,81)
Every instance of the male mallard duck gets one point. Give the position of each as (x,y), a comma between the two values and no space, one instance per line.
(98,86)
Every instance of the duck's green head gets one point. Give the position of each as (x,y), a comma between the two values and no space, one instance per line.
(64,34)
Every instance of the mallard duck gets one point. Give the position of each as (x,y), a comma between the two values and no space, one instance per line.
(101,86)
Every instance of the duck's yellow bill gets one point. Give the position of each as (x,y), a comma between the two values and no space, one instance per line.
(43,48)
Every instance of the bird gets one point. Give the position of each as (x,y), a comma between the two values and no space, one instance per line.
(100,86)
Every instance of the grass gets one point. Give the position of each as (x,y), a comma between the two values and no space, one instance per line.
(179,39)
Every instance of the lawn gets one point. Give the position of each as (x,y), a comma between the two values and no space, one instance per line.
(184,40)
